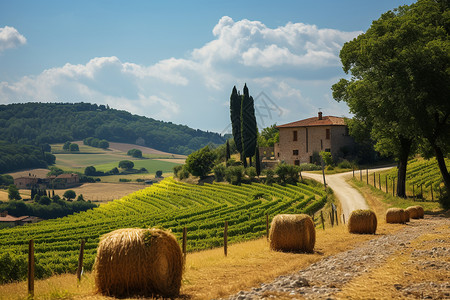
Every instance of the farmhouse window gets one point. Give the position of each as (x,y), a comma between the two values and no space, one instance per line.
(327,150)
(294,135)
(327,134)
(294,152)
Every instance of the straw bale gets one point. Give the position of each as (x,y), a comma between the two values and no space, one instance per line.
(413,212)
(136,261)
(420,211)
(362,221)
(406,215)
(396,215)
(295,233)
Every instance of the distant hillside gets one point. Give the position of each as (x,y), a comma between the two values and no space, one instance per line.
(40,123)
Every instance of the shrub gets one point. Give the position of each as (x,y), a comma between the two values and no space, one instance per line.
(176,169)
(310,167)
(219,172)
(269,176)
(345,164)
(251,172)
(74,147)
(234,174)
(44,200)
(200,162)
(69,194)
(326,157)
(287,173)
(158,174)
(124,180)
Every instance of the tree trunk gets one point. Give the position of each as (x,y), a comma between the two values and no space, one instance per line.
(405,147)
(442,166)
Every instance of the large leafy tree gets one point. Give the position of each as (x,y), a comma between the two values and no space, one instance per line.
(400,81)
(200,162)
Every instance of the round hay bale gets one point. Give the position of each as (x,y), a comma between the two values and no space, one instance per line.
(295,233)
(420,211)
(406,215)
(135,261)
(413,212)
(395,215)
(362,221)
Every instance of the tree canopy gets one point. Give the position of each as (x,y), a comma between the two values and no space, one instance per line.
(200,162)
(400,81)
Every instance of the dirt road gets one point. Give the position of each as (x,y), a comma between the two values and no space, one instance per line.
(350,198)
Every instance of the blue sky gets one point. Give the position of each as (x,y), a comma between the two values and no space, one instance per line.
(179,60)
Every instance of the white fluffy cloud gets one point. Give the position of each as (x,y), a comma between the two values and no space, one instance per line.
(10,38)
(276,60)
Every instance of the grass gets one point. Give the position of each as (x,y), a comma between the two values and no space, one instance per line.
(58,149)
(382,201)
(209,274)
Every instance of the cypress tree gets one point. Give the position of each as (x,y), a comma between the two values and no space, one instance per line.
(257,162)
(228,153)
(235,115)
(249,128)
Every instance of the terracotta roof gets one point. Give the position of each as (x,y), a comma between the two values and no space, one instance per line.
(10,218)
(314,121)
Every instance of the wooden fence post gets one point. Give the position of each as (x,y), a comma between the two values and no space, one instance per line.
(386,185)
(367,175)
(331,218)
(321,217)
(360,175)
(184,243)
(379,181)
(225,239)
(374,180)
(31,269)
(353,169)
(80,260)
(393,187)
(343,218)
(336,217)
(267,226)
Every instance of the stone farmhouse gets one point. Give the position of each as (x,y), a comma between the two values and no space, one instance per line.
(300,139)
(56,182)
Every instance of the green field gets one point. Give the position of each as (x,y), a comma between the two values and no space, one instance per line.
(152,165)
(170,204)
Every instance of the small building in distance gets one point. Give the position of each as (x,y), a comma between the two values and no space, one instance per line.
(300,139)
(62,181)
(7,220)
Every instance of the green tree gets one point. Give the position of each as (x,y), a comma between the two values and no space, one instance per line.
(126,164)
(13,193)
(44,200)
(235,115)
(219,172)
(158,174)
(74,147)
(200,162)
(90,171)
(269,136)
(66,146)
(326,157)
(135,153)
(69,194)
(103,144)
(401,81)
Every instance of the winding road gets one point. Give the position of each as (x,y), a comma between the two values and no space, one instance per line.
(350,198)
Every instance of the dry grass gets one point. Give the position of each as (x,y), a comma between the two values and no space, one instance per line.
(208,274)
(104,192)
(388,280)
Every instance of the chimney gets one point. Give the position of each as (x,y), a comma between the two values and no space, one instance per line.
(320,115)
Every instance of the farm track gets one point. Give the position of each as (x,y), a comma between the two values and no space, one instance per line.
(327,278)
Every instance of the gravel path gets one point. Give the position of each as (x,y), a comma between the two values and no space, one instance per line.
(323,279)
